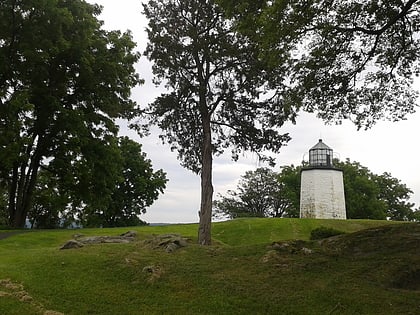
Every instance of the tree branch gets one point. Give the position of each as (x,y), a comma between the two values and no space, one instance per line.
(406,8)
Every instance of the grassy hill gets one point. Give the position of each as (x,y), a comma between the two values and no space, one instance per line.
(255,266)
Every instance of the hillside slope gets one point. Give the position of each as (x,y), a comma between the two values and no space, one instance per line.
(254,267)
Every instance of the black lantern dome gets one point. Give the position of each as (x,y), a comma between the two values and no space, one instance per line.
(320,155)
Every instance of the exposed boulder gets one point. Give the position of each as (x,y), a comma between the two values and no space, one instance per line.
(71,244)
(129,234)
(292,247)
(81,240)
(168,242)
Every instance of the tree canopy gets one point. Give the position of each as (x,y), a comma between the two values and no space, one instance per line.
(57,203)
(136,188)
(63,82)
(259,193)
(341,59)
(210,71)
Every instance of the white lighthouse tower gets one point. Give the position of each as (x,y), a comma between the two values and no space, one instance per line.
(322,188)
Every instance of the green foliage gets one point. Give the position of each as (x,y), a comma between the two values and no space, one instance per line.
(324,232)
(136,188)
(289,179)
(342,59)
(415,215)
(63,82)
(361,192)
(371,196)
(133,187)
(260,193)
(396,195)
(49,203)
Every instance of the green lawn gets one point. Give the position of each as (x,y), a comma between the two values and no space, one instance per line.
(239,274)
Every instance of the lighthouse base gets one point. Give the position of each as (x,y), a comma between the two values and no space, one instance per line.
(322,194)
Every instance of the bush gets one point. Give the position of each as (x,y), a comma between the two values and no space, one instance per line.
(324,232)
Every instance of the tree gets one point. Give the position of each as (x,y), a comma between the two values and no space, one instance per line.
(137,187)
(49,202)
(60,203)
(361,192)
(289,179)
(396,195)
(3,206)
(211,73)
(263,193)
(415,215)
(63,82)
(342,59)
(259,194)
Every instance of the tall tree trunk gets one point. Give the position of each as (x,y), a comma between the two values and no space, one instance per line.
(22,191)
(204,229)
(24,197)
(12,194)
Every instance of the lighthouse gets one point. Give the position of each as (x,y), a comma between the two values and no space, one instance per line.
(322,188)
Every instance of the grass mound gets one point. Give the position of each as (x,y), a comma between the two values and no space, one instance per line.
(390,239)
(256,266)
(391,253)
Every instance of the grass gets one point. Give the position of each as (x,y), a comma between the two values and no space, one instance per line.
(361,272)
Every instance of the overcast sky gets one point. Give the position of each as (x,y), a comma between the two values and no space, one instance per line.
(387,147)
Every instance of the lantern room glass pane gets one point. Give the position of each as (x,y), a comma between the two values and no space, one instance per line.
(320,157)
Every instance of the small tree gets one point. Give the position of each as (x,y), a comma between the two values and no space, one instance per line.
(415,215)
(211,73)
(396,195)
(258,194)
(136,188)
(289,179)
(361,192)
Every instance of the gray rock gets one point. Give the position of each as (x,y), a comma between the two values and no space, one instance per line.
(129,234)
(71,244)
(307,251)
(171,247)
(168,242)
(89,240)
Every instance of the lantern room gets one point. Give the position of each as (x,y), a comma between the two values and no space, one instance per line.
(320,155)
